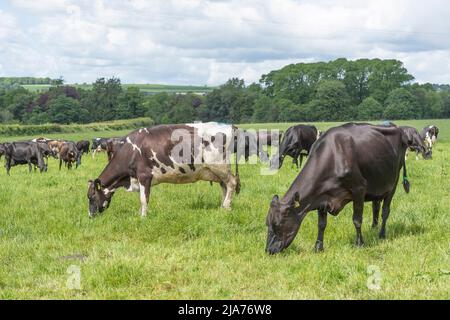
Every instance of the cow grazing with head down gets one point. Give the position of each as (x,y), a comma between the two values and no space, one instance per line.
(2,149)
(183,153)
(352,162)
(296,142)
(98,145)
(415,143)
(24,152)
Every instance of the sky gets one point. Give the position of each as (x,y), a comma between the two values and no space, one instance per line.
(207,42)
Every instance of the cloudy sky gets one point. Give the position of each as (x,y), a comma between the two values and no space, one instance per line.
(207,42)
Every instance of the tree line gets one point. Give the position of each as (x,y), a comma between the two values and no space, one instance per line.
(339,90)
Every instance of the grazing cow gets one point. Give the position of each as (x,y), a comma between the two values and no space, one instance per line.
(24,152)
(183,153)
(296,139)
(415,143)
(112,145)
(98,145)
(352,162)
(429,135)
(2,149)
(69,154)
(46,152)
(83,146)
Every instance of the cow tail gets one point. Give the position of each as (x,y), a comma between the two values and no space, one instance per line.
(238,181)
(406,185)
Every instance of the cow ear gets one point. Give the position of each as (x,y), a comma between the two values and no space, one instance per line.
(97,184)
(275,201)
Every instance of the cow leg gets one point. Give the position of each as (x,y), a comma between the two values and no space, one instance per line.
(230,189)
(385,214)
(224,190)
(29,166)
(144,192)
(322,224)
(417,155)
(301,159)
(358,207)
(60,164)
(375,212)
(8,164)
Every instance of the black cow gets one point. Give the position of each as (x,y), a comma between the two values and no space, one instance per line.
(416,143)
(24,152)
(2,149)
(352,162)
(83,146)
(296,142)
(183,153)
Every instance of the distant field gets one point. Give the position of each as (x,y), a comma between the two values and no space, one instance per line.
(188,247)
(146,88)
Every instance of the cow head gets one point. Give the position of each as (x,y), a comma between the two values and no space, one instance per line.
(99,199)
(283,222)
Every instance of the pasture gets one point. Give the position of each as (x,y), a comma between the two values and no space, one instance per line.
(189,248)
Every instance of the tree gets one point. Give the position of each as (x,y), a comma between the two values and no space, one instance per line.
(66,110)
(130,104)
(401,104)
(369,109)
(333,99)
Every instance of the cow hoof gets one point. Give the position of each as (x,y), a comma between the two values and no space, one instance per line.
(382,236)
(226,208)
(359,243)
(318,247)
(374,226)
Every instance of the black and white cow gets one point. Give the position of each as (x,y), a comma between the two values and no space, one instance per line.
(416,143)
(24,152)
(429,135)
(296,142)
(182,153)
(83,146)
(98,145)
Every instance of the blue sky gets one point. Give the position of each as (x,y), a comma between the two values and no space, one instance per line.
(207,42)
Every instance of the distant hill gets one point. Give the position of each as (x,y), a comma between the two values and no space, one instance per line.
(146,88)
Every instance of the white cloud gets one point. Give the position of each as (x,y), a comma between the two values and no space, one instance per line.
(197,42)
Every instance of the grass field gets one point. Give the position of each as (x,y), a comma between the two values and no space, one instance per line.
(146,88)
(188,247)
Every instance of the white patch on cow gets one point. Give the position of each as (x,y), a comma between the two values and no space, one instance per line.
(105,203)
(134,185)
(106,191)
(143,129)
(135,147)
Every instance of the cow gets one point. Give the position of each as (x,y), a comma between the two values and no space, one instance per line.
(2,149)
(56,145)
(250,142)
(69,154)
(46,152)
(83,146)
(352,162)
(112,145)
(415,143)
(98,145)
(429,135)
(24,152)
(296,142)
(182,153)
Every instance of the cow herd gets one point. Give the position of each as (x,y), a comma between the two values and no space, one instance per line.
(354,162)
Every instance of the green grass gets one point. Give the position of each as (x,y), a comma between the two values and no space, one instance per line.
(146,88)
(188,247)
